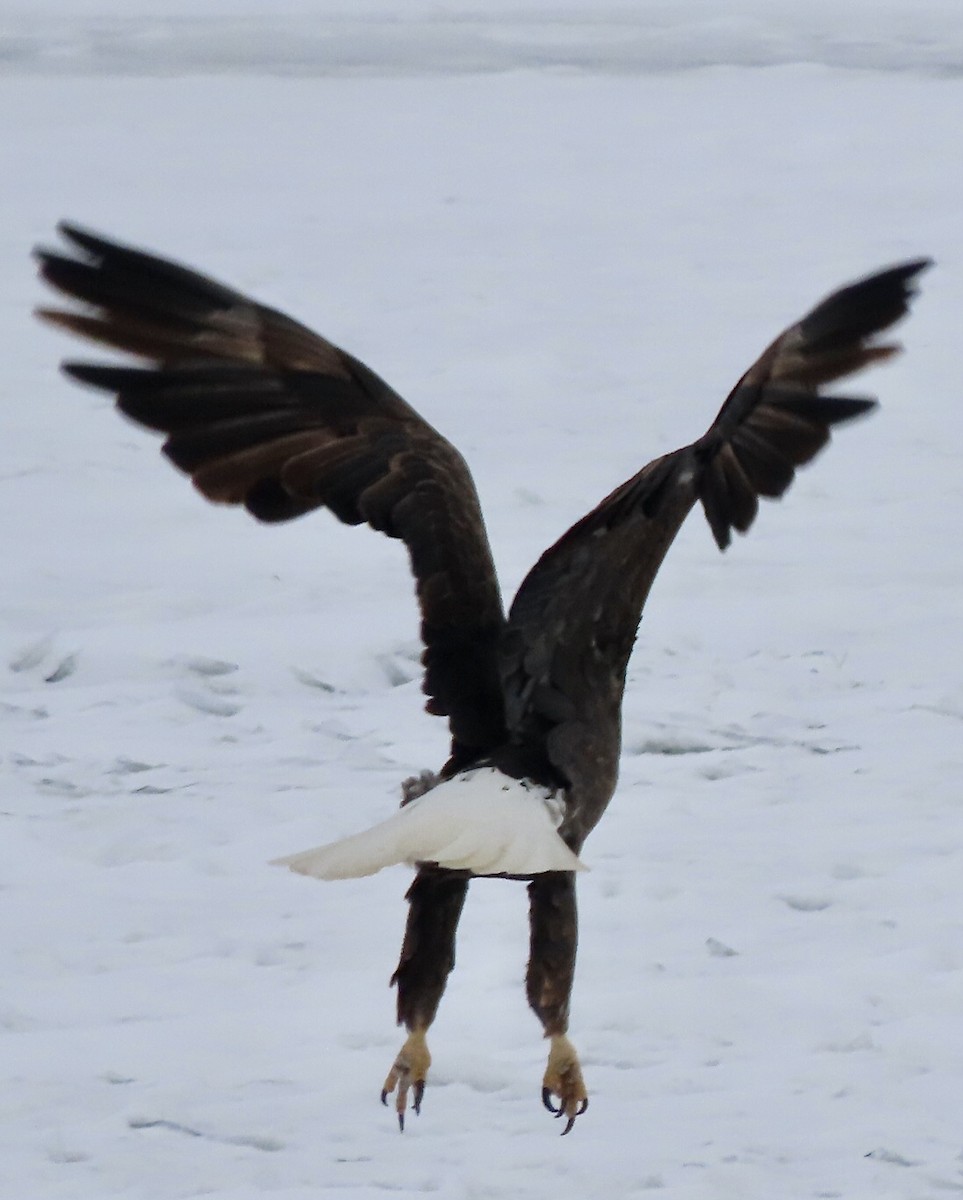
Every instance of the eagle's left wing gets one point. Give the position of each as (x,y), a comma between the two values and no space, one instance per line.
(573,622)
(261,411)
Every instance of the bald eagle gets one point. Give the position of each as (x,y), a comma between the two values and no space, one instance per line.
(260,411)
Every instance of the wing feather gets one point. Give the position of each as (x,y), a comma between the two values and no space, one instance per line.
(573,622)
(262,412)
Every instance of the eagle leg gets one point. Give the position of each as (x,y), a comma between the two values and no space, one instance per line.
(435,900)
(553,921)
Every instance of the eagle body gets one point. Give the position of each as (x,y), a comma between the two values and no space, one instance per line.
(262,412)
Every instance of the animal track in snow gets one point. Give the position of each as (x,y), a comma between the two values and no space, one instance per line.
(62,787)
(38,712)
(309,679)
(215,706)
(670,745)
(211,674)
(63,669)
(129,766)
(807,903)
(400,667)
(255,1141)
(34,655)
(31,656)
(208,667)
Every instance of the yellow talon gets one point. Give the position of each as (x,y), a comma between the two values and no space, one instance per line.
(408,1073)
(563,1078)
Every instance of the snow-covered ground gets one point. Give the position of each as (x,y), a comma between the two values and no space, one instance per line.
(308,37)
(564,269)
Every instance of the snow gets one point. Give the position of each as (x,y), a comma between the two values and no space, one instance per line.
(328,37)
(564,260)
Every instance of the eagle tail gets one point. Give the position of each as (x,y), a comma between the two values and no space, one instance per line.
(480,821)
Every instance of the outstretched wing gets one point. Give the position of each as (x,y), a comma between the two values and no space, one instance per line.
(776,418)
(573,622)
(261,411)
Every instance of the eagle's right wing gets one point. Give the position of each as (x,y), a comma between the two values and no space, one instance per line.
(260,411)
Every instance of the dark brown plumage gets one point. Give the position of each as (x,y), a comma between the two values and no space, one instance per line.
(262,412)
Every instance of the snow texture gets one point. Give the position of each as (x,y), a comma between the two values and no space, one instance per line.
(481,821)
(564,264)
(446,37)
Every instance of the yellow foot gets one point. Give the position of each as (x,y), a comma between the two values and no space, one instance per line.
(563,1078)
(408,1073)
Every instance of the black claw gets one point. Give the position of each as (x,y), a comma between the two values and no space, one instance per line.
(384,1099)
(547,1101)
(583,1105)
(418,1093)
(401,1121)
(570,1125)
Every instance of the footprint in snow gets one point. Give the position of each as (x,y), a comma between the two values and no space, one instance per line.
(35,655)
(400,667)
(38,713)
(31,656)
(129,766)
(669,745)
(215,706)
(255,1141)
(215,698)
(62,787)
(62,670)
(209,667)
(309,679)
(807,903)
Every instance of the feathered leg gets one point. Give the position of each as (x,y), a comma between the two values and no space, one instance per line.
(435,900)
(553,919)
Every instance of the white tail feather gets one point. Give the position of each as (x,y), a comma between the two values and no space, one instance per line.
(481,821)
